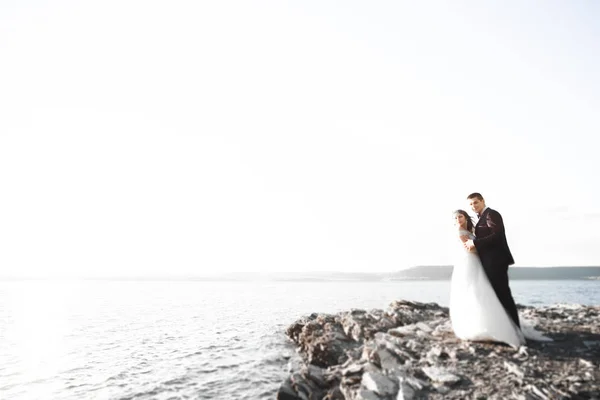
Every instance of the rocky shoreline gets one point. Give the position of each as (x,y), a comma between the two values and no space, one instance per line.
(409,351)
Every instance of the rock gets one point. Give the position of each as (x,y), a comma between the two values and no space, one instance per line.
(351,380)
(379,383)
(514,369)
(315,374)
(424,327)
(422,334)
(441,375)
(443,389)
(442,328)
(586,363)
(403,330)
(522,353)
(352,369)
(306,389)
(366,395)
(286,392)
(538,392)
(408,351)
(415,383)
(405,391)
(387,360)
(435,353)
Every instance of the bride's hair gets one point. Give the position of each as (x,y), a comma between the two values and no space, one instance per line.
(470,225)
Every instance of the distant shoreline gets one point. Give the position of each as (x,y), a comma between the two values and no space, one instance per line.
(420,273)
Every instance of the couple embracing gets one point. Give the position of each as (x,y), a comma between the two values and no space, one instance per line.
(481,304)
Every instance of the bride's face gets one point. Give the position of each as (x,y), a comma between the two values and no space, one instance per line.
(460,220)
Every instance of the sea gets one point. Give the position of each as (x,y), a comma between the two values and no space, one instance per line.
(171,340)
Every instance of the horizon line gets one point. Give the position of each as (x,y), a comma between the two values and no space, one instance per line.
(233,274)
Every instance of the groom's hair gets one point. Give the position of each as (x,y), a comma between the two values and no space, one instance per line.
(475,195)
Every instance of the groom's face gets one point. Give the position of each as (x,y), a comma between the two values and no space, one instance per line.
(477,205)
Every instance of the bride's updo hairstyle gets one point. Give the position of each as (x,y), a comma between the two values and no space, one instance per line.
(470,225)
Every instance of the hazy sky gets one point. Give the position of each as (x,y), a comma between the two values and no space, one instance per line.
(193,137)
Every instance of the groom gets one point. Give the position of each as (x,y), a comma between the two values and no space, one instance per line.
(493,250)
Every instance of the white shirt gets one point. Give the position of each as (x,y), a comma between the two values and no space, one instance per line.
(482,211)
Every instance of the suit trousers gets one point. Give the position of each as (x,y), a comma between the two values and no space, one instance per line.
(498,276)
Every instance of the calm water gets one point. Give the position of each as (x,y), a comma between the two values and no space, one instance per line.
(179,340)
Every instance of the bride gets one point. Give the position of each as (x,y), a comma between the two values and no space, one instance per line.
(475,311)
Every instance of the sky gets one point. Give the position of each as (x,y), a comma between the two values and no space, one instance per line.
(155,138)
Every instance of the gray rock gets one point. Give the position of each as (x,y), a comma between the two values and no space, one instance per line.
(407,330)
(316,374)
(410,351)
(441,388)
(424,327)
(351,380)
(538,392)
(442,329)
(387,360)
(352,369)
(416,383)
(286,392)
(435,353)
(514,369)
(422,334)
(521,354)
(441,375)
(379,383)
(366,395)
(405,391)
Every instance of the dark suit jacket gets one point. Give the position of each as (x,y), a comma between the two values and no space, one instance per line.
(491,241)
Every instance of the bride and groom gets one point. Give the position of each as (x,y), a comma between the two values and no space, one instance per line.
(481,304)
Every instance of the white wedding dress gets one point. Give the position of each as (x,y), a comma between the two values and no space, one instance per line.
(475,311)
